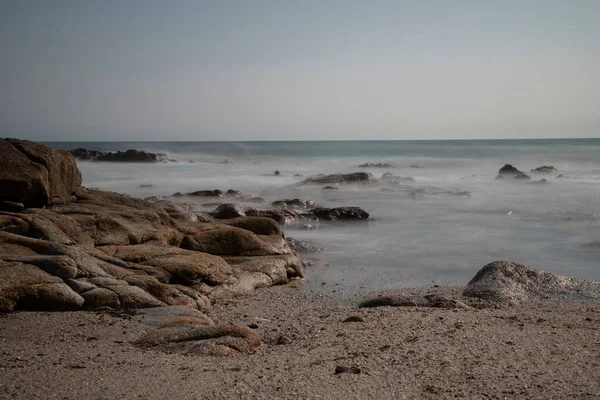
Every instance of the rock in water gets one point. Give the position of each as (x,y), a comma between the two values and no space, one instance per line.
(545,169)
(510,172)
(376,165)
(357,177)
(340,213)
(36,175)
(510,281)
(228,211)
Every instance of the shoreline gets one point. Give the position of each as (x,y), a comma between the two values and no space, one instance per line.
(535,349)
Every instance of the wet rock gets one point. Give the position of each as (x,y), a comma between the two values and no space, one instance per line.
(510,172)
(302,246)
(206,193)
(146,186)
(545,169)
(540,182)
(329,188)
(36,175)
(293,204)
(376,165)
(340,213)
(228,211)
(357,177)
(131,155)
(561,176)
(281,216)
(510,281)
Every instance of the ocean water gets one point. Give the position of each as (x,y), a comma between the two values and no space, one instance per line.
(433,237)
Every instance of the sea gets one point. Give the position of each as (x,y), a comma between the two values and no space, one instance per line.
(420,233)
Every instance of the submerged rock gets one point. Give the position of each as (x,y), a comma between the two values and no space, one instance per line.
(510,281)
(388,177)
(540,182)
(510,172)
(131,155)
(545,169)
(356,177)
(340,213)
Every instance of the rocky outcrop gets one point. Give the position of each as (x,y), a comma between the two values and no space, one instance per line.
(36,175)
(105,249)
(131,155)
(510,281)
(510,172)
(545,169)
(357,177)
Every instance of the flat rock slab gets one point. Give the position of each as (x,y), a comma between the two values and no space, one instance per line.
(220,340)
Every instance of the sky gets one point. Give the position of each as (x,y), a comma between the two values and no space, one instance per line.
(89,70)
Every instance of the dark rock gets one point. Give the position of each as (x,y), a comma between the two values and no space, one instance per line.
(354,318)
(560,176)
(357,177)
(298,175)
(206,193)
(145,186)
(36,175)
(540,182)
(340,369)
(277,173)
(510,281)
(329,188)
(11,206)
(545,169)
(510,172)
(228,211)
(429,300)
(256,200)
(376,165)
(340,213)
(131,155)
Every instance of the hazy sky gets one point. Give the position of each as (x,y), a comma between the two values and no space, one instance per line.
(300,70)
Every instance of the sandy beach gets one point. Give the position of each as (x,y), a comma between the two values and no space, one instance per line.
(538,349)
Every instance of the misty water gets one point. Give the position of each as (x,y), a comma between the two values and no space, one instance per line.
(412,238)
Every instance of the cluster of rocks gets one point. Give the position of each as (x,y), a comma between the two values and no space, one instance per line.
(135,156)
(287,216)
(377,165)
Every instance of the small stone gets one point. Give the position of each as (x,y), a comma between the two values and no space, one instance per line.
(340,369)
(354,318)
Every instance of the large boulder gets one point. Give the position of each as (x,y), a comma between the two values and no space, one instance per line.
(511,281)
(36,175)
